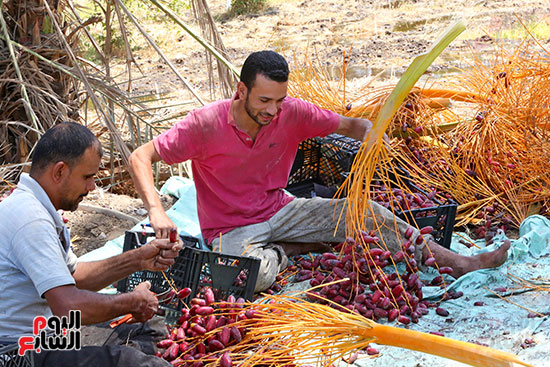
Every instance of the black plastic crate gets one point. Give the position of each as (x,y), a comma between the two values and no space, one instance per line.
(337,155)
(9,356)
(226,275)
(326,161)
(441,216)
(310,189)
(306,163)
(158,280)
(194,269)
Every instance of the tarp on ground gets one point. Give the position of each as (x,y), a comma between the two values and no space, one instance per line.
(501,323)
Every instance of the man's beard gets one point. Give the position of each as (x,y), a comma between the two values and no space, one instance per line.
(72,205)
(252,116)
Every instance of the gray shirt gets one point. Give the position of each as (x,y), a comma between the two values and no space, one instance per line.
(35,256)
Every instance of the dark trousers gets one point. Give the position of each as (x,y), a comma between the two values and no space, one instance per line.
(129,345)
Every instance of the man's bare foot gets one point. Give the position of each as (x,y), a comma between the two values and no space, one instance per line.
(494,258)
(299,248)
(465,264)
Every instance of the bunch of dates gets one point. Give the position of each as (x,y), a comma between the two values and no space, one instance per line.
(186,344)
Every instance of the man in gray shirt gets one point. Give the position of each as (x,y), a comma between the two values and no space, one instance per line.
(40,274)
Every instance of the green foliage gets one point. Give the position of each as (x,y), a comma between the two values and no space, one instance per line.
(539,30)
(239,7)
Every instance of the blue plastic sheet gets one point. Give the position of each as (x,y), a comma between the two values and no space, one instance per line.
(500,324)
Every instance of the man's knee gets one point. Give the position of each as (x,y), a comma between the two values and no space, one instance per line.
(273,260)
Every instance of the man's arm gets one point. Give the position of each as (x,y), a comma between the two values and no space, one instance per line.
(95,307)
(157,255)
(140,162)
(355,128)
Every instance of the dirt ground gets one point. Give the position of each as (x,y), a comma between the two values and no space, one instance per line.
(103,216)
(377,35)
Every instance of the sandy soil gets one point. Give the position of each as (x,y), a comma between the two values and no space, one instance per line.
(377,35)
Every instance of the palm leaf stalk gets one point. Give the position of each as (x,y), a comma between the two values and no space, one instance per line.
(83,26)
(109,92)
(285,330)
(53,75)
(116,138)
(129,55)
(226,76)
(28,107)
(33,96)
(373,151)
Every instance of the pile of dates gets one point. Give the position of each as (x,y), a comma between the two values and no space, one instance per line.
(397,198)
(367,280)
(492,218)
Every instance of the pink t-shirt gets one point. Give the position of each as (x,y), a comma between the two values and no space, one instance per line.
(240,181)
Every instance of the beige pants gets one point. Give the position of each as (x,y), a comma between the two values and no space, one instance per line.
(306,221)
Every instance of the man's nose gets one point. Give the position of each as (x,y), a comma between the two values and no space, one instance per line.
(91,185)
(272,109)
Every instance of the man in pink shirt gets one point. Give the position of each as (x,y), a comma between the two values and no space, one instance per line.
(242,151)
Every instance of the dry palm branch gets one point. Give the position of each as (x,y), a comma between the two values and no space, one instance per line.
(497,155)
(226,77)
(43,77)
(287,330)
(33,95)
(212,49)
(45,80)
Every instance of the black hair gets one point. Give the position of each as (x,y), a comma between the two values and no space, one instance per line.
(267,63)
(66,141)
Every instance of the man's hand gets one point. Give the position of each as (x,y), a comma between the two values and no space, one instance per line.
(139,165)
(161,223)
(368,128)
(146,304)
(356,128)
(159,254)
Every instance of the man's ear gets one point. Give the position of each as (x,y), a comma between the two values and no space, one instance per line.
(242,90)
(59,171)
